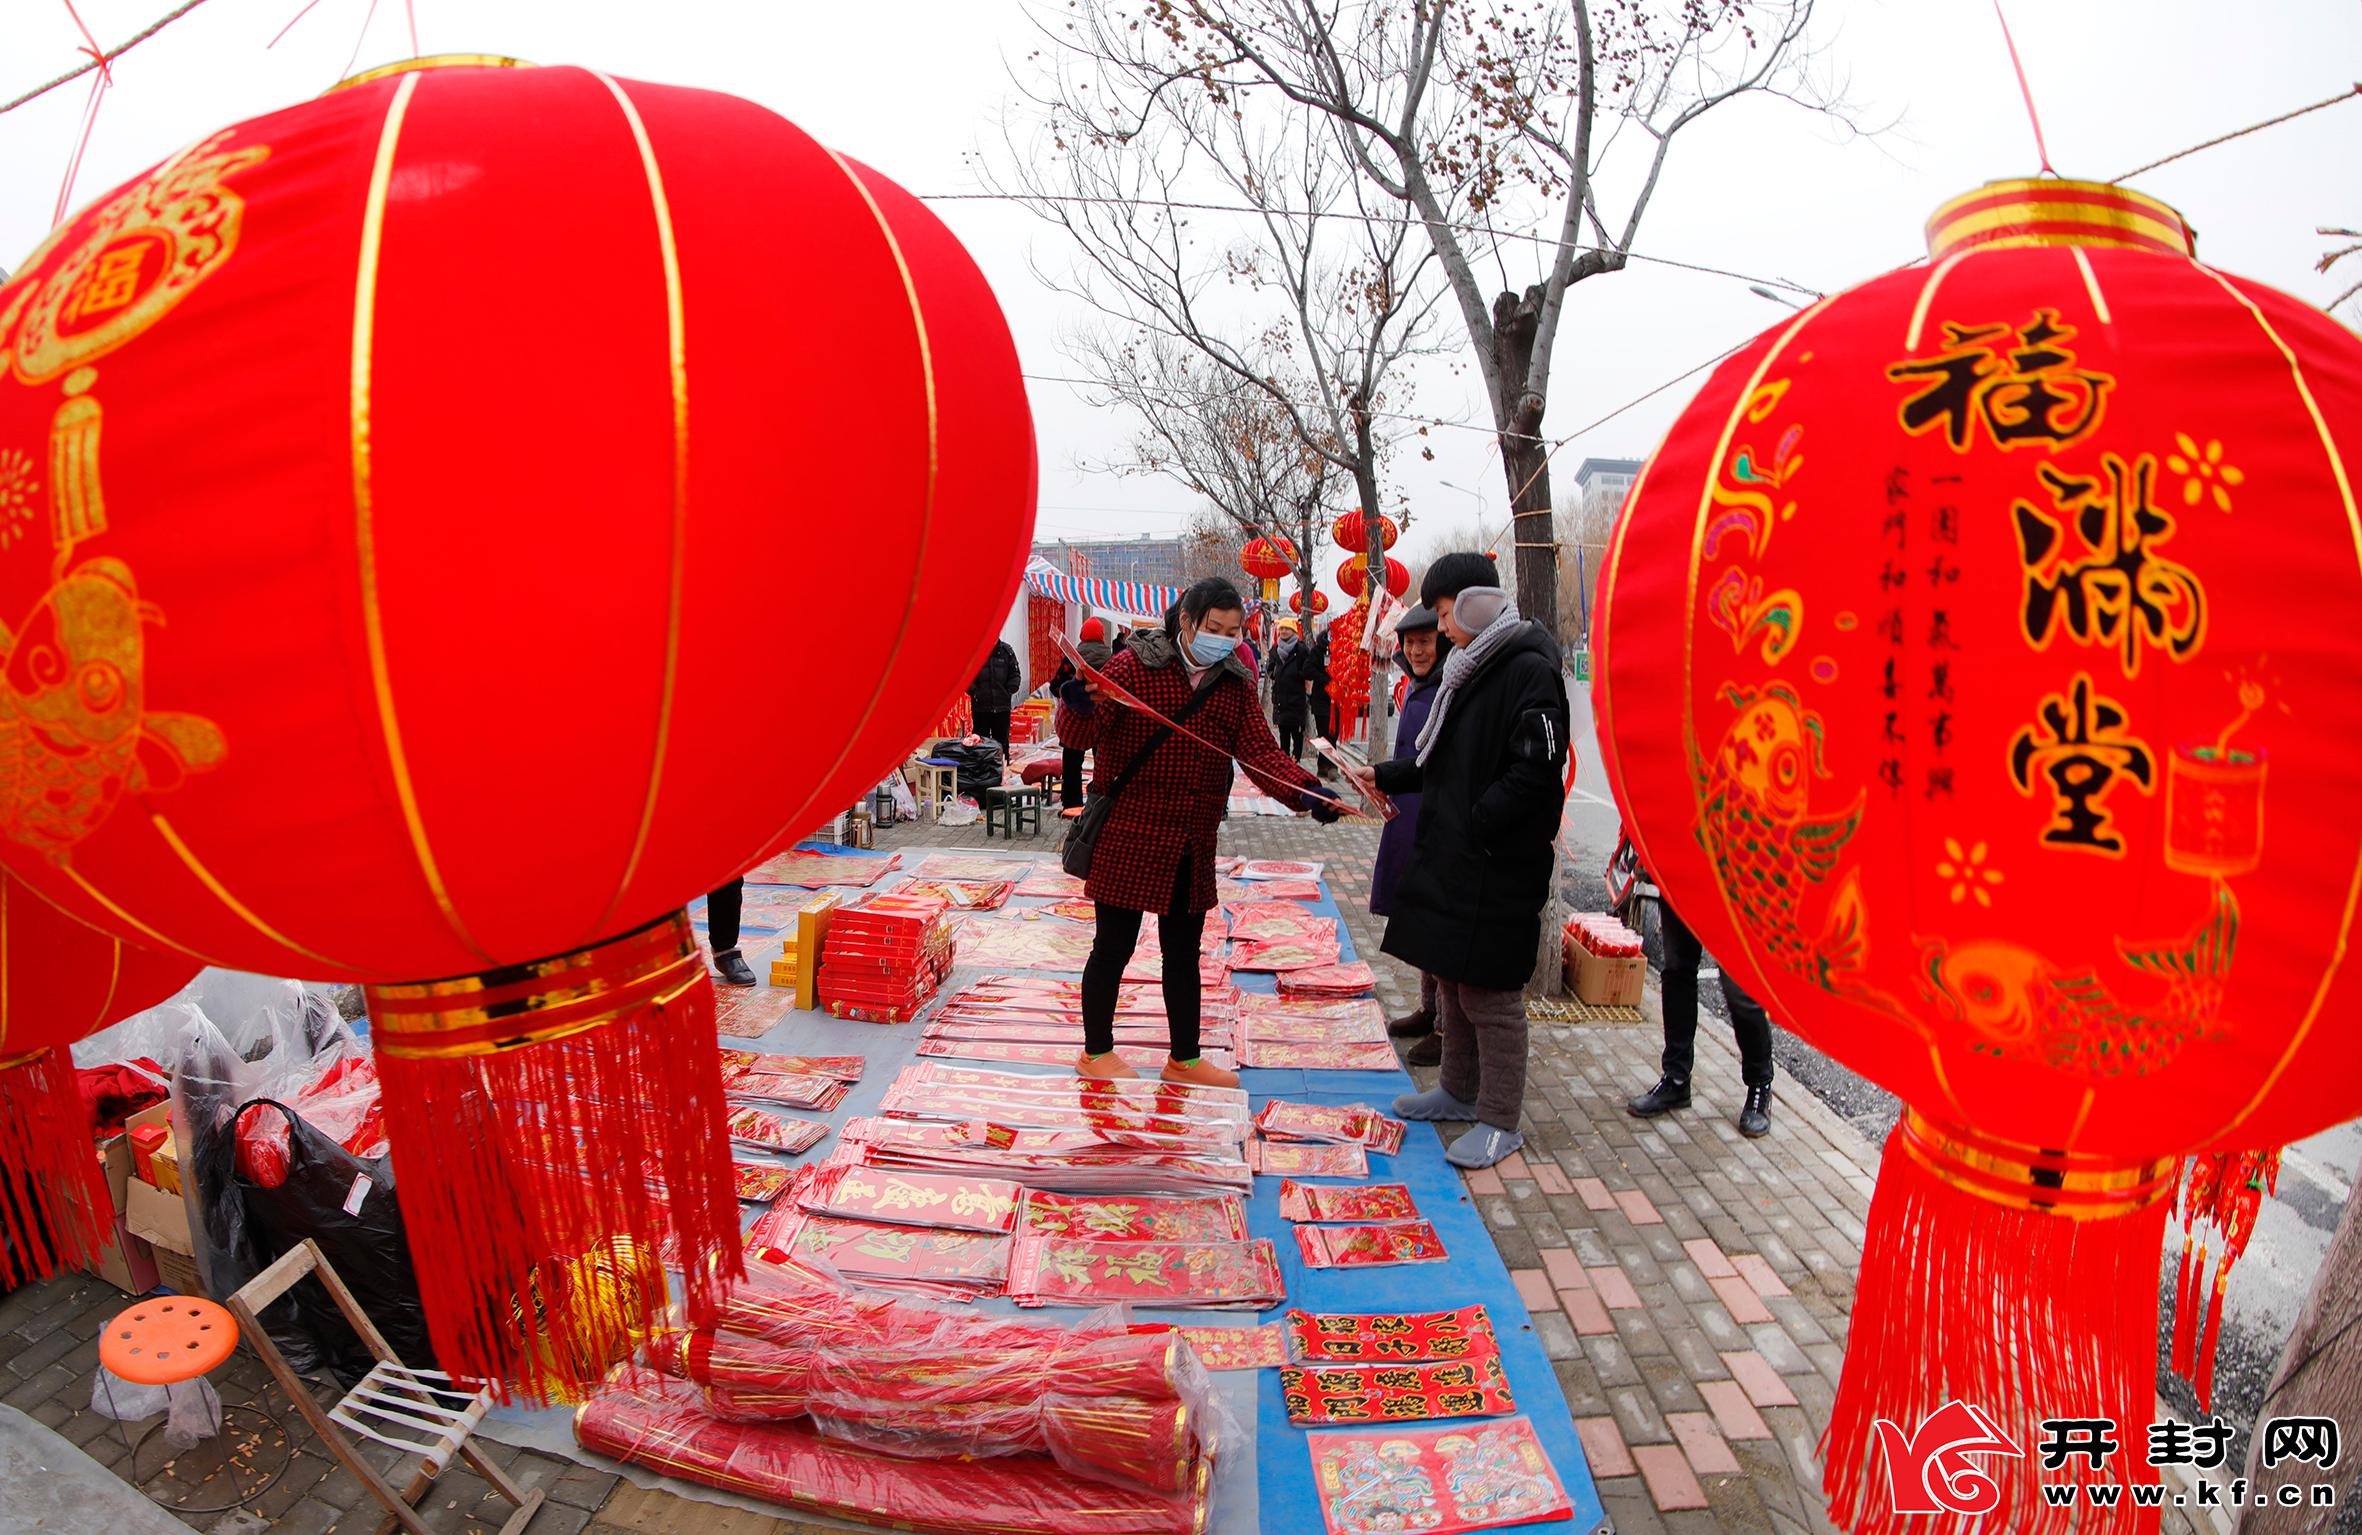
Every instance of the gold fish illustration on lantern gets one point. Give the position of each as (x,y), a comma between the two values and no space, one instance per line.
(1755,821)
(75,732)
(2021,1005)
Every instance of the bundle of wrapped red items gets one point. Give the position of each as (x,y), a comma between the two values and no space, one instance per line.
(885,957)
(886,1411)
(342,1103)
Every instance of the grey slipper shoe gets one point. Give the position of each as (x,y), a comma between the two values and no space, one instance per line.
(1435,1103)
(1482,1146)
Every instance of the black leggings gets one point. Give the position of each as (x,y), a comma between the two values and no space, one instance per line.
(1103,975)
(722,911)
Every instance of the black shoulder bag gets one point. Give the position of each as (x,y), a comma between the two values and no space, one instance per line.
(1075,857)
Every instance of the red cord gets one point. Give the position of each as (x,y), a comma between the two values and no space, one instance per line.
(2041,150)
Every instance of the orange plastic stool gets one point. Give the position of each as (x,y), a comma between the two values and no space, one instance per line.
(168,1339)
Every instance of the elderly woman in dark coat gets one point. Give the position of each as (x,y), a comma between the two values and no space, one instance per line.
(1155,851)
(1421,659)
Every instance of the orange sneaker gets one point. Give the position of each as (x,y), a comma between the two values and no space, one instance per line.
(1198,1073)
(1104,1068)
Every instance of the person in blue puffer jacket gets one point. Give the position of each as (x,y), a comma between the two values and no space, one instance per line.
(1421,659)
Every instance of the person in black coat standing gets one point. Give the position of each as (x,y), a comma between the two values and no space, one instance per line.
(1316,684)
(1490,769)
(1290,660)
(993,691)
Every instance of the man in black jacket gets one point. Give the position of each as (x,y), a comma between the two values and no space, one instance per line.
(1290,660)
(994,689)
(1490,770)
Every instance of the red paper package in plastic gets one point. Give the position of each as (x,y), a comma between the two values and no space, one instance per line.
(1392,1336)
(1460,1478)
(1132,1218)
(1379,1246)
(1305,1202)
(1395,1393)
(1306,1159)
(1345,980)
(1059,1271)
(910,1199)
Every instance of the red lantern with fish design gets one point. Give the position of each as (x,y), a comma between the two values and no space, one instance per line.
(1950,651)
(396,490)
(60,979)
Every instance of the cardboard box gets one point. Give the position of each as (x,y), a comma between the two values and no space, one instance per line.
(1604,982)
(164,1166)
(129,1265)
(177,1273)
(161,1218)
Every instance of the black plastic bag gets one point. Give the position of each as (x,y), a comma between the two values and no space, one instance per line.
(347,1205)
(206,1097)
(980,765)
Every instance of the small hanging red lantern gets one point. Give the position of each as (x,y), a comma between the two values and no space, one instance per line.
(1320,602)
(1948,651)
(1352,532)
(457,423)
(1270,561)
(1353,576)
(60,979)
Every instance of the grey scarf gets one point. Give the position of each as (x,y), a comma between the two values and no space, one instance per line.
(1463,662)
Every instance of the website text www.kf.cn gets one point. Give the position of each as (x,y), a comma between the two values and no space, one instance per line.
(1949,1464)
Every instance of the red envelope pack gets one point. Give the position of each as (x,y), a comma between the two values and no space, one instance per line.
(1260,921)
(1288,889)
(753,1011)
(1305,951)
(1142,1058)
(1047,879)
(1266,1030)
(1276,868)
(795,1089)
(1286,1055)
(1125,1218)
(760,1183)
(1072,1161)
(845,1068)
(909,1199)
(1236,1348)
(797,867)
(1379,1246)
(1438,1481)
(1342,1124)
(956,1265)
(970,866)
(1345,980)
(1020,940)
(963,894)
(1183,1099)
(1304,1159)
(1391,1337)
(1395,1393)
(752,1126)
(1057,1271)
(1369,1202)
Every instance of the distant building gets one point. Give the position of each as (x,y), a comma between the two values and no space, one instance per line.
(1604,483)
(1156,561)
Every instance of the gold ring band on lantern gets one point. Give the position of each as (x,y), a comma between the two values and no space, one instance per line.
(2055,211)
(2071,1184)
(547,999)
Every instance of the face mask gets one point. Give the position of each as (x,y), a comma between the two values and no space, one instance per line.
(1211,649)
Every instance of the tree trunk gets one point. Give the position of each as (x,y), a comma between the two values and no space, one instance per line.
(1525,459)
(2320,1376)
(1378,737)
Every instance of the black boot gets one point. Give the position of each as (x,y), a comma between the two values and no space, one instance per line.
(1755,1114)
(1669,1094)
(1411,1025)
(1427,1052)
(732,968)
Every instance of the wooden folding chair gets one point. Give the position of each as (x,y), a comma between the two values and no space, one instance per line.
(393,1404)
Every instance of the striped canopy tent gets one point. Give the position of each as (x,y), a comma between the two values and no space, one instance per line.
(1139,600)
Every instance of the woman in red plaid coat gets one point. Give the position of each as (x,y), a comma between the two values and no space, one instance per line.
(1156,847)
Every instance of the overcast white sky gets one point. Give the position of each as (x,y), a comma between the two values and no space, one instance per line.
(1761,187)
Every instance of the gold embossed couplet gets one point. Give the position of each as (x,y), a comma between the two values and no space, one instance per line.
(1977,670)
(385,486)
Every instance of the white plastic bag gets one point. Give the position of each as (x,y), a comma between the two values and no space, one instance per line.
(960,812)
(193,1407)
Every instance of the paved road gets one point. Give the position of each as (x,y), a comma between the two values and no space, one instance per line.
(2292,1235)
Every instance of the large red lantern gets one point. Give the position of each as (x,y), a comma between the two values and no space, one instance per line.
(1353,576)
(1320,601)
(60,979)
(1270,561)
(1352,532)
(1952,648)
(396,482)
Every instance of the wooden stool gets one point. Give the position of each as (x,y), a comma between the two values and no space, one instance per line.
(1013,810)
(170,1341)
(939,785)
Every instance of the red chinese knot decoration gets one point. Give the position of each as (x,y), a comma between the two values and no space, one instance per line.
(1951,650)
(1353,576)
(1352,532)
(387,485)
(60,979)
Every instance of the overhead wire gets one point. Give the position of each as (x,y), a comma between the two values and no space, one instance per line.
(2240,133)
(100,61)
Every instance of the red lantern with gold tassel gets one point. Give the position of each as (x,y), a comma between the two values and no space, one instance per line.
(1352,532)
(1353,576)
(60,979)
(1270,561)
(1951,650)
(406,470)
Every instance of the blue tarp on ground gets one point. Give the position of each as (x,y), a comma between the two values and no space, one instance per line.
(1269,1486)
